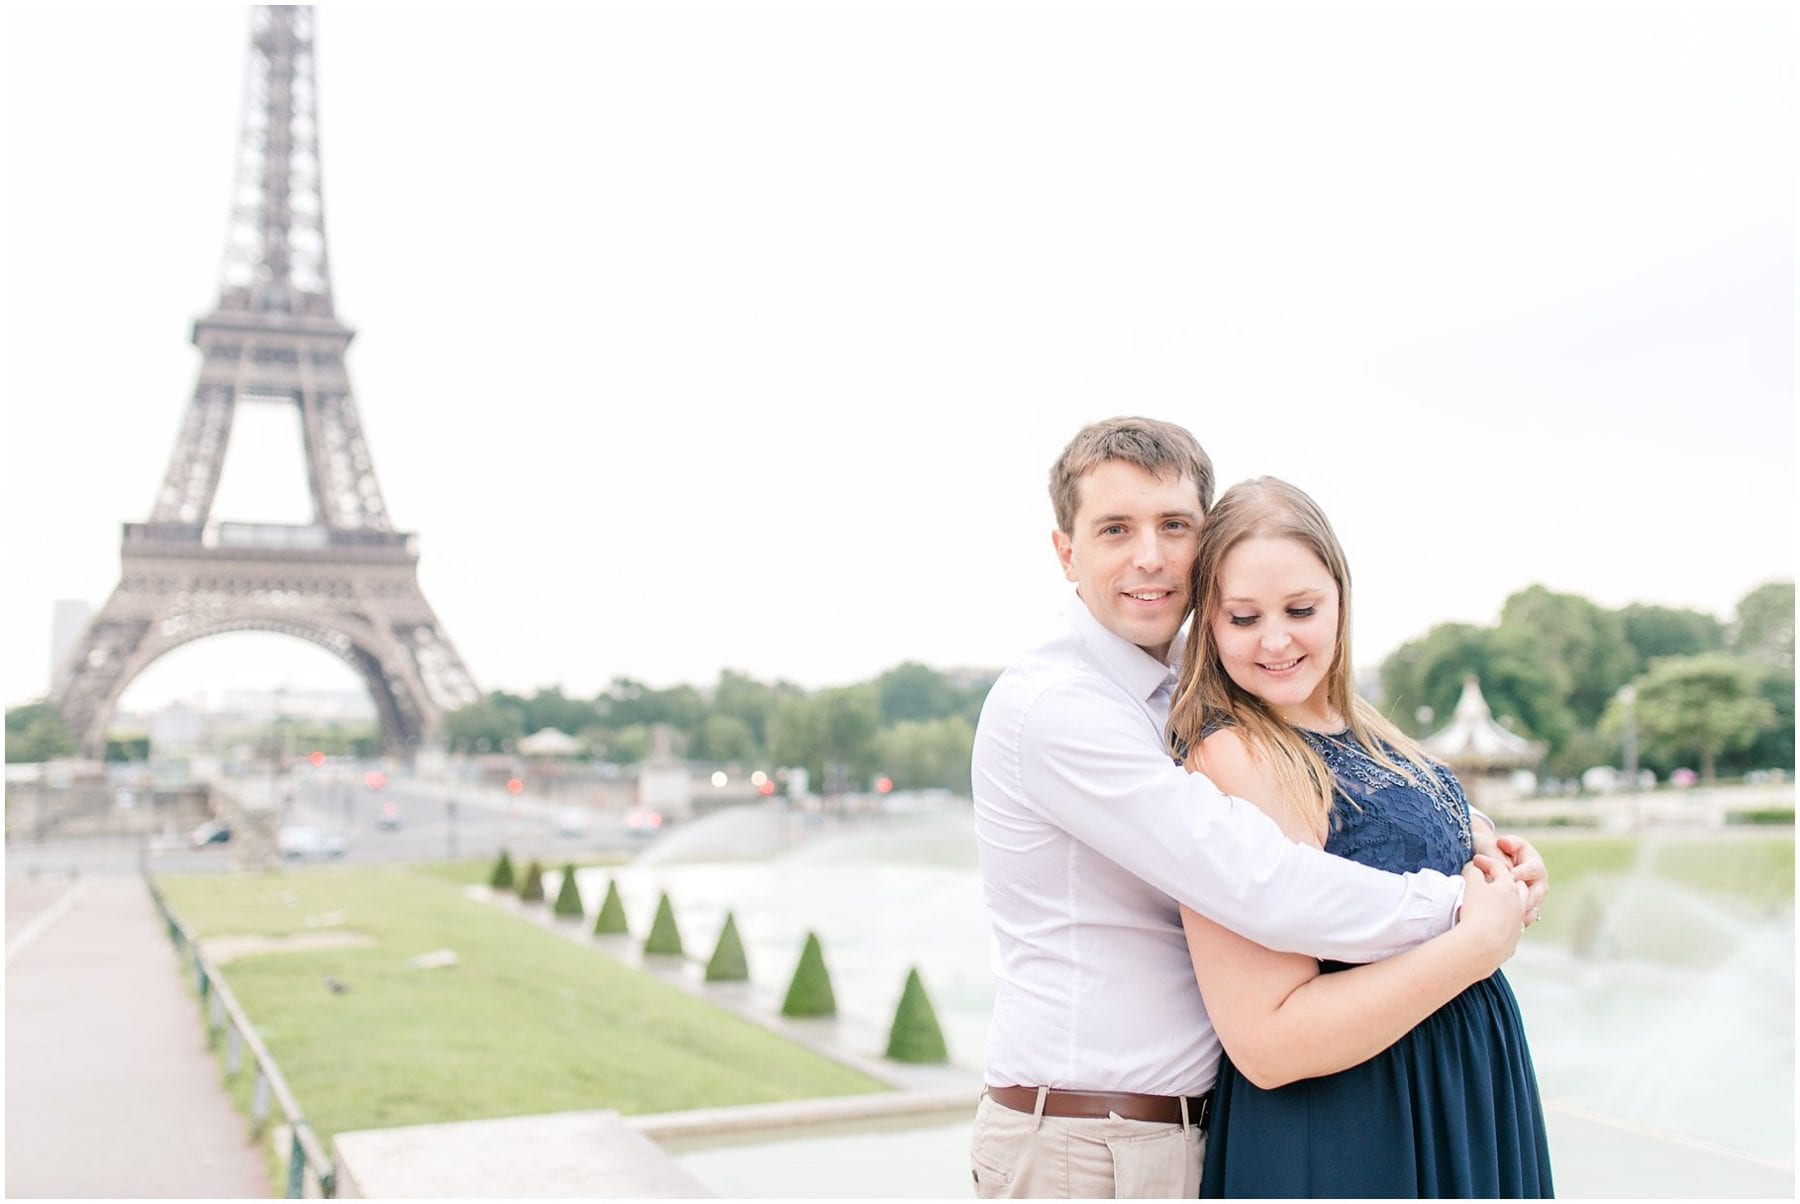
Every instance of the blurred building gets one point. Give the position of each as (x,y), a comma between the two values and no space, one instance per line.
(1483,754)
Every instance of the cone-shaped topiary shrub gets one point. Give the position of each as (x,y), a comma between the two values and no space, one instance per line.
(568,899)
(503,873)
(728,964)
(916,1036)
(611,921)
(810,992)
(664,936)
(531,886)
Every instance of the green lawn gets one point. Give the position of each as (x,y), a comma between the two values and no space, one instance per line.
(1757,870)
(1662,897)
(526,1022)
(468,873)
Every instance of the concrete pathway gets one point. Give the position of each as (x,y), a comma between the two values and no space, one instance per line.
(110,1088)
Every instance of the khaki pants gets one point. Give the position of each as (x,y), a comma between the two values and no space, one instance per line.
(1015,1155)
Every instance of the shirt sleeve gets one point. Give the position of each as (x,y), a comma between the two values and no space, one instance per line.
(1086,767)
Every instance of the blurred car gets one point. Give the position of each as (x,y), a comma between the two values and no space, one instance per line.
(301,840)
(642,822)
(572,821)
(211,832)
(388,818)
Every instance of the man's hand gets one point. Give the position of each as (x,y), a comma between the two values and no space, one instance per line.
(1492,913)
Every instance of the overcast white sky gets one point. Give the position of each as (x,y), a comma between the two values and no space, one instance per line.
(694,336)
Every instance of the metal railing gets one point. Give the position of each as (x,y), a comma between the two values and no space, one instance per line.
(224,1014)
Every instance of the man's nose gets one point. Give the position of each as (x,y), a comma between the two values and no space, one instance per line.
(1147,551)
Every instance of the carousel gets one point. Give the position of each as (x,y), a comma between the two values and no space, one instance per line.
(1484,754)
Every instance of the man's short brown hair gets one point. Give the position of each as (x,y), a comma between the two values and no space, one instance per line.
(1156,447)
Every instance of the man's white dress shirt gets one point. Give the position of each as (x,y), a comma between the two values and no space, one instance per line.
(1088,834)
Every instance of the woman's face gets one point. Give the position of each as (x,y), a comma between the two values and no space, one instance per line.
(1275,626)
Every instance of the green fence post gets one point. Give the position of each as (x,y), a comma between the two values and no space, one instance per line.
(296,1167)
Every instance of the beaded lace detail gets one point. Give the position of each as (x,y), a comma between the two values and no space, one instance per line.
(1383,820)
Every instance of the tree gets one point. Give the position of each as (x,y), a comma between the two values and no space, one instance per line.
(628,702)
(919,755)
(726,738)
(1429,672)
(1705,705)
(852,721)
(611,920)
(548,708)
(531,883)
(568,897)
(627,745)
(915,1036)
(127,748)
(743,697)
(1581,644)
(502,878)
(1764,627)
(36,732)
(1774,747)
(809,992)
(728,963)
(1658,631)
(912,691)
(796,736)
(665,937)
(486,724)
(833,727)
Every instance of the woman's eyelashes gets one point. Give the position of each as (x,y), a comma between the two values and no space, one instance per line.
(1294,612)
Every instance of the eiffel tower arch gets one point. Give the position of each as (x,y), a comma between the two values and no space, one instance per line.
(346,581)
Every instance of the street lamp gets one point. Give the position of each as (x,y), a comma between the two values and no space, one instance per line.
(1628,699)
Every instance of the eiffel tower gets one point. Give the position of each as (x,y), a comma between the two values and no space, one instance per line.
(346,581)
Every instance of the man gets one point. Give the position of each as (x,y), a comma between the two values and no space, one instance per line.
(1100,1054)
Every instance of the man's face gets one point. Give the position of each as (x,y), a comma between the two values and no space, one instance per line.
(1133,542)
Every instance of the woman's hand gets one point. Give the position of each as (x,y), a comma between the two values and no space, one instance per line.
(1528,867)
(1493,909)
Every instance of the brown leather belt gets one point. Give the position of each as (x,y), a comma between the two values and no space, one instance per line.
(1094,1105)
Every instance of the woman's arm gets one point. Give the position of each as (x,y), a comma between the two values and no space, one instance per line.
(1278,1017)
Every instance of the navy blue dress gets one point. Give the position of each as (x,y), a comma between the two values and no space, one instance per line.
(1452,1108)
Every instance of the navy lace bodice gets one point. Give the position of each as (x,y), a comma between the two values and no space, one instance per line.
(1384,821)
(1449,1111)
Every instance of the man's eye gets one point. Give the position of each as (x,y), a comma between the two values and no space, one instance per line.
(1175,524)
(1115,529)
(1242,620)
(1302,612)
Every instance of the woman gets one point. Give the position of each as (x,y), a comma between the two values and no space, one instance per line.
(1423,1090)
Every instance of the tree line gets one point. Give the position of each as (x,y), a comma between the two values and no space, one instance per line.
(1717,695)
(912,724)
(1705,691)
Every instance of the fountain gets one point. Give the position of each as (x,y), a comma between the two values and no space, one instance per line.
(1663,1041)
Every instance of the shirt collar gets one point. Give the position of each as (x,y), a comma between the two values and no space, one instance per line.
(1118,657)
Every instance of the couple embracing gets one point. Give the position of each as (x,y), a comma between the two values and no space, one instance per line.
(1247,934)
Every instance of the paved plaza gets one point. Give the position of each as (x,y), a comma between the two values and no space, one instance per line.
(110,1088)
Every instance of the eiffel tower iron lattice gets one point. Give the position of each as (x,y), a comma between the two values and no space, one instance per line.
(346,581)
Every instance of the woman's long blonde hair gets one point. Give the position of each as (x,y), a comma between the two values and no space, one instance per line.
(1205,695)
